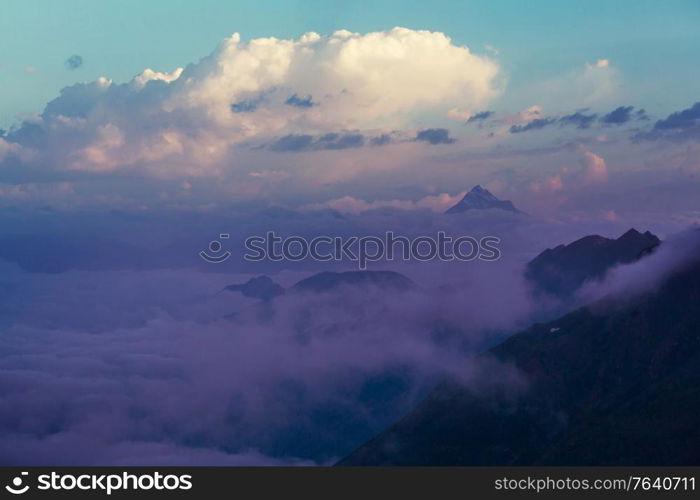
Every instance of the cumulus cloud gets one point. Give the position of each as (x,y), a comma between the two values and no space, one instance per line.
(188,121)
(678,126)
(148,75)
(578,119)
(481,116)
(536,124)
(295,100)
(519,120)
(596,170)
(459,115)
(74,62)
(549,184)
(434,136)
(619,115)
(566,181)
(11,148)
(594,83)
(330,141)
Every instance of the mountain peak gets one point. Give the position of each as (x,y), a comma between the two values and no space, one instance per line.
(481,198)
(260,287)
(632,233)
(623,377)
(562,270)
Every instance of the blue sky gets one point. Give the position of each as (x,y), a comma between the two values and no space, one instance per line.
(653,43)
(573,108)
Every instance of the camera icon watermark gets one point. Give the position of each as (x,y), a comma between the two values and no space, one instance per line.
(16,487)
(212,254)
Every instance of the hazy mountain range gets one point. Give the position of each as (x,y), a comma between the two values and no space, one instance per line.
(612,383)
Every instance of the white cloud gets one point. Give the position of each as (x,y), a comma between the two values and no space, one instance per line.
(347,204)
(565,181)
(596,170)
(186,122)
(550,184)
(459,115)
(10,148)
(597,83)
(148,75)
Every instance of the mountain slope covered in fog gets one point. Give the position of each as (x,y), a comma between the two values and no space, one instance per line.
(613,383)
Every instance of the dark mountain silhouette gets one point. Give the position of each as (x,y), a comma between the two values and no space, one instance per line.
(260,287)
(328,280)
(562,270)
(266,289)
(614,383)
(480,198)
(370,399)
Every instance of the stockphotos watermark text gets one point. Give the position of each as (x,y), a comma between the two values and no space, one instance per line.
(100,483)
(359,249)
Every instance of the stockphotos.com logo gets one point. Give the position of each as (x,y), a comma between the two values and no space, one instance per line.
(17,486)
(105,483)
(214,253)
(359,249)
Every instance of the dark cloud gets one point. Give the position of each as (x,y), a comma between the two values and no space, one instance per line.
(381,140)
(247,106)
(483,115)
(251,103)
(74,62)
(581,120)
(641,114)
(434,136)
(680,120)
(536,124)
(298,102)
(331,141)
(338,141)
(618,116)
(681,125)
(578,119)
(293,142)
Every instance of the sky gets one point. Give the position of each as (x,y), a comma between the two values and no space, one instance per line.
(564,108)
(653,41)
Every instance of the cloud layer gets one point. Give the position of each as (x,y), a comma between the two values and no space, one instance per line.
(189,121)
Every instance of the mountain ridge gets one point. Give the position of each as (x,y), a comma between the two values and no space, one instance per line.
(563,269)
(611,383)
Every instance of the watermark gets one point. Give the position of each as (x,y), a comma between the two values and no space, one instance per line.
(212,253)
(360,249)
(106,483)
(17,486)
